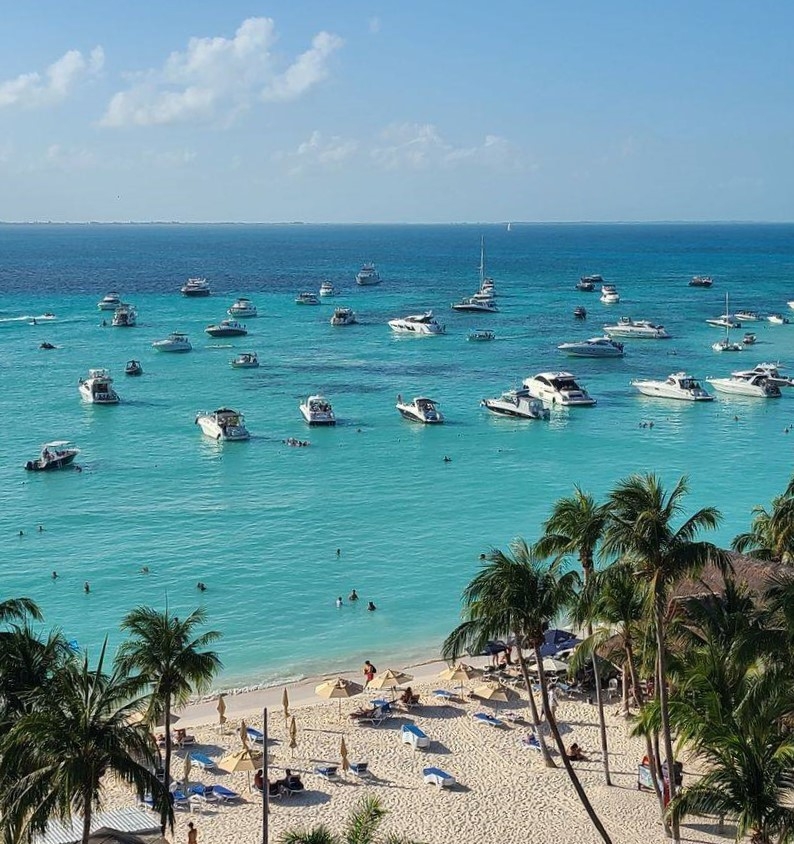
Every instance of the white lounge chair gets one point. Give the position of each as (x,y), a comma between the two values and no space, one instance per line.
(435,776)
(413,735)
(485,718)
(328,772)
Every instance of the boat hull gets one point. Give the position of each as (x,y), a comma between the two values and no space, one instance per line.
(737,388)
(658,392)
(232,433)
(522,410)
(60,462)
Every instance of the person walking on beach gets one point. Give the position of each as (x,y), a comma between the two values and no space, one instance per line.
(369,672)
(192,834)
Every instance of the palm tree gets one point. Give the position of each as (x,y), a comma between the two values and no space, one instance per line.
(361,828)
(56,755)
(17,609)
(640,530)
(516,592)
(771,534)
(167,655)
(576,526)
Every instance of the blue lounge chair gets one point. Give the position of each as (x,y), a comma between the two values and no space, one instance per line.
(377,716)
(361,770)
(201,790)
(180,800)
(530,742)
(435,776)
(224,794)
(256,736)
(202,761)
(328,772)
(444,695)
(415,736)
(485,718)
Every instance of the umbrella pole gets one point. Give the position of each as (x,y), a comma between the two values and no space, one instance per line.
(265,787)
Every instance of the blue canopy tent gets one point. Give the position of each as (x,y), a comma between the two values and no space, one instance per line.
(556,640)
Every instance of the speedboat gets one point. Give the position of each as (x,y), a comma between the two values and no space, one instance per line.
(242,308)
(196,287)
(609,294)
(317,410)
(109,302)
(472,303)
(245,360)
(579,312)
(701,281)
(175,342)
(54,455)
(327,289)
(748,316)
(770,371)
(368,275)
(595,347)
(726,345)
(558,388)
(746,385)
(749,338)
(587,283)
(421,409)
(307,298)
(226,328)
(97,387)
(517,403)
(480,335)
(133,367)
(679,385)
(125,316)
(725,321)
(641,329)
(343,316)
(424,323)
(223,424)
(791,304)
(778,319)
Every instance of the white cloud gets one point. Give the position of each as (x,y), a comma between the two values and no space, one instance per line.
(215,79)
(32,90)
(67,159)
(318,152)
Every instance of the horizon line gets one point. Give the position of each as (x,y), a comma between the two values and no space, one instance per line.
(392,223)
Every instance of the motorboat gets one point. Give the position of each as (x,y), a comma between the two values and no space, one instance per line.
(97,387)
(421,409)
(242,308)
(125,316)
(770,371)
(317,410)
(368,275)
(587,283)
(54,455)
(679,385)
(109,302)
(307,298)
(133,367)
(580,312)
(791,304)
(196,287)
(701,281)
(226,328)
(641,329)
(558,388)
(726,319)
(343,316)
(609,294)
(748,316)
(424,323)
(472,303)
(480,335)
(595,347)
(223,424)
(755,385)
(485,294)
(175,342)
(517,403)
(750,338)
(327,289)
(727,345)
(245,360)
(778,319)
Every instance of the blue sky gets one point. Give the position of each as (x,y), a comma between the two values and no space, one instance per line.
(388,112)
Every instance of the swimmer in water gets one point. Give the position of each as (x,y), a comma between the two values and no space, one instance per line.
(338,552)
(55,575)
(371,607)
(86,587)
(22,533)
(145,570)
(339,601)
(447,459)
(353,596)
(41,528)
(201,587)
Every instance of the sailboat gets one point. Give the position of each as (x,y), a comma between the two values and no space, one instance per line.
(726,345)
(510,227)
(486,291)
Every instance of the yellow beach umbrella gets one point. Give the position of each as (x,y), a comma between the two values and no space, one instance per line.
(496,692)
(221,711)
(285,703)
(242,760)
(338,689)
(460,673)
(343,754)
(293,734)
(389,679)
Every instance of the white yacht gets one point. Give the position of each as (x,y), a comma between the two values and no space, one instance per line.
(770,371)
(641,329)
(725,321)
(587,283)
(368,275)
(226,328)
(727,345)
(109,302)
(307,298)
(679,385)
(609,294)
(473,304)
(558,388)
(778,319)
(223,424)
(242,308)
(327,289)
(701,281)
(97,388)
(317,410)
(54,455)
(125,316)
(746,385)
(196,287)
(245,360)
(595,347)
(791,304)
(517,403)
(748,316)
(175,342)
(421,409)
(343,316)
(424,323)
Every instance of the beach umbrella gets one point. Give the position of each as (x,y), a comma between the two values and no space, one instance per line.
(221,711)
(390,679)
(496,693)
(551,666)
(293,734)
(460,673)
(157,722)
(338,689)
(188,766)
(343,754)
(241,760)
(285,703)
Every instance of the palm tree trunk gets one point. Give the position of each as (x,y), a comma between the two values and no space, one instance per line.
(544,751)
(664,708)
(544,691)
(86,814)
(167,759)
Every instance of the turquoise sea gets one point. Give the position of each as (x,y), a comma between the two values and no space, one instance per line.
(259,522)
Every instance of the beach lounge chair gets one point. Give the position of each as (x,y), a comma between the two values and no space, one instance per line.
(435,776)
(328,772)
(293,785)
(180,800)
(485,718)
(275,790)
(378,715)
(445,695)
(204,791)
(413,735)
(203,762)
(225,795)
(361,770)
(256,736)
(530,742)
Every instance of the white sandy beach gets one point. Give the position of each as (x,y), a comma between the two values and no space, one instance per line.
(504,792)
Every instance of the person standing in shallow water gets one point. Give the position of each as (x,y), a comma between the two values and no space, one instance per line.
(353,596)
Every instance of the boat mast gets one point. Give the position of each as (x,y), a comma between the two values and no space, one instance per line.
(482,260)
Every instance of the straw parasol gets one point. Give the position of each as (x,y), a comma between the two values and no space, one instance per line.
(188,766)
(389,679)
(241,760)
(221,711)
(460,673)
(293,735)
(338,689)
(285,703)
(343,754)
(496,693)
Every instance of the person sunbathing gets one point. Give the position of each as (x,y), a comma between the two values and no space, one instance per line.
(408,697)
(575,753)
(365,713)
